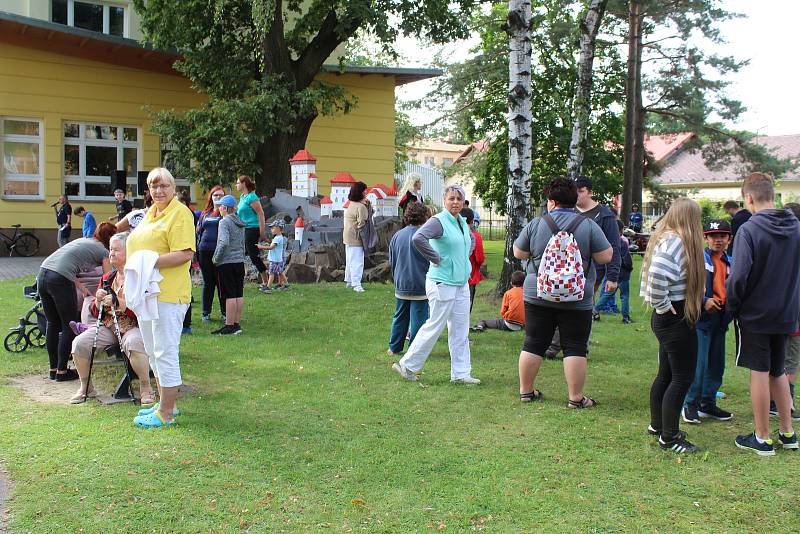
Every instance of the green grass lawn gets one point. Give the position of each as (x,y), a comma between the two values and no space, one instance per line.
(299,425)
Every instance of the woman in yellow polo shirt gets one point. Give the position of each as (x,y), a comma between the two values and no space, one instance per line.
(168,230)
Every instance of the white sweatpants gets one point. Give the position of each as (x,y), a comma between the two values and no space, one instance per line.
(162,341)
(354,265)
(298,236)
(449,305)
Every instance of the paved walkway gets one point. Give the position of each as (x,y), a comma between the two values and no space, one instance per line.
(18,267)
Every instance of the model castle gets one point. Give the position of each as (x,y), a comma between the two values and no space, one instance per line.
(384,199)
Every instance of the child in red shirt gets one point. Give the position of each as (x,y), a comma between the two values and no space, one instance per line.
(476,259)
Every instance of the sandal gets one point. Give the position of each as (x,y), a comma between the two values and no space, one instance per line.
(147,399)
(530,397)
(585,402)
(79,397)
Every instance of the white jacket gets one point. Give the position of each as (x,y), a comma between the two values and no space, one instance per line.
(141,284)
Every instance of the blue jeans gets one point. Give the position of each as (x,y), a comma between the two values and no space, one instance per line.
(709,370)
(409,316)
(606,299)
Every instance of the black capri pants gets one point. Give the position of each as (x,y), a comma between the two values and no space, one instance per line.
(251,236)
(541,323)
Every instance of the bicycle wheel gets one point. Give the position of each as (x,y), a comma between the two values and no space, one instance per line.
(26,245)
(16,341)
(36,337)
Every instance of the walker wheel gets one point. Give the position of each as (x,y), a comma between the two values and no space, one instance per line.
(16,341)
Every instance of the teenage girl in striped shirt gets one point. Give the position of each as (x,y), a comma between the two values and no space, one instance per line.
(673,278)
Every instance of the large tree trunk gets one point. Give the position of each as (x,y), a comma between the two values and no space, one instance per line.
(634,116)
(274,154)
(520,142)
(589,27)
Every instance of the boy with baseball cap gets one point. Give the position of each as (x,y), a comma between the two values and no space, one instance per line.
(701,399)
(277,264)
(763,294)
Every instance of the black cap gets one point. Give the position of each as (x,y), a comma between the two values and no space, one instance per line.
(584,181)
(717,227)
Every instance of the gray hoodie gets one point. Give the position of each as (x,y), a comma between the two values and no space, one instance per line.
(230,241)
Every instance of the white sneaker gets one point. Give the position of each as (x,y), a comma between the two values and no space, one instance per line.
(358,289)
(405,373)
(465,380)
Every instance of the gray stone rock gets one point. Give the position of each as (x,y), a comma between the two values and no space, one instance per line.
(324,274)
(375,259)
(298,273)
(337,275)
(381,273)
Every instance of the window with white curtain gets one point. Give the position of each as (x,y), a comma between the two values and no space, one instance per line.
(22,151)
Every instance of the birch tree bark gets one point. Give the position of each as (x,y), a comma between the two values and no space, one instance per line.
(520,142)
(589,27)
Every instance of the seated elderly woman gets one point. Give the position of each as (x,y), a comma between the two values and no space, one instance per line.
(132,343)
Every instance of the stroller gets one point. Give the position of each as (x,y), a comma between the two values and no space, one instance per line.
(31,328)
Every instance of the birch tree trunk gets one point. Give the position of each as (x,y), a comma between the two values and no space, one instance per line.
(582,104)
(520,142)
(634,114)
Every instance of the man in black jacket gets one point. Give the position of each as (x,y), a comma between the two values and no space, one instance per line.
(763,295)
(738,217)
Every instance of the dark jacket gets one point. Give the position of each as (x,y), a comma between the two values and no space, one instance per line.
(607,222)
(626,261)
(763,290)
(207,232)
(409,267)
(718,320)
(741,217)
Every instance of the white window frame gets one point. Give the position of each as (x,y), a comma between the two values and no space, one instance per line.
(22,177)
(82,179)
(106,16)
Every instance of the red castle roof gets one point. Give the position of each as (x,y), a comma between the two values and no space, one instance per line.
(343,178)
(378,191)
(325,200)
(312,175)
(302,156)
(392,192)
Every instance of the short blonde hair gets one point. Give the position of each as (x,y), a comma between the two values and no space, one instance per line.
(160,174)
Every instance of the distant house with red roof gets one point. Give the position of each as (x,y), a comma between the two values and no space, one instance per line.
(325,207)
(685,169)
(304,178)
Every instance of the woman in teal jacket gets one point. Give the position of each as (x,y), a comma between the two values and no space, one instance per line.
(446,242)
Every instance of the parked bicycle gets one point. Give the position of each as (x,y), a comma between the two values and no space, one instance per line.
(22,243)
(31,328)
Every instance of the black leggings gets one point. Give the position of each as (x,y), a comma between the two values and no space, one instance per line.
(251,236)
(60,306)
(677,358)
(209,272)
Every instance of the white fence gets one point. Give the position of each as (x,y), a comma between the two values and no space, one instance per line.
(432,181)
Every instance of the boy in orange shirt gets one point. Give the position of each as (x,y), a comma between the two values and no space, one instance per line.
(512,311)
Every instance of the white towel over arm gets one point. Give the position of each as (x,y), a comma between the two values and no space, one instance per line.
(141,284)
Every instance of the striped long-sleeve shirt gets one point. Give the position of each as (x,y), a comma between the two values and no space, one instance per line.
(665,280)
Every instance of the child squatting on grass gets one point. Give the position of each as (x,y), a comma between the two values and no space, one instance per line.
(512,311)
(275,257)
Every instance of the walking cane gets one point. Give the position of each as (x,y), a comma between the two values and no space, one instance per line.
(115,303)
(94,348)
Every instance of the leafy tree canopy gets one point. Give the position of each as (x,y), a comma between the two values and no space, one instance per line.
(257,60)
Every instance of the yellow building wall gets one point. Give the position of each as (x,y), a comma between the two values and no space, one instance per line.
(56,88)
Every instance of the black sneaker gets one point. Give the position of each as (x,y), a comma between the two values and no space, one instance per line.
(689,415)
(749,442)
(679,445)
(218,330)
(788,442)
(656,432)
(627,320)
(773,409)
(714,412)
(71,374)
(596,316)
(231,330)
